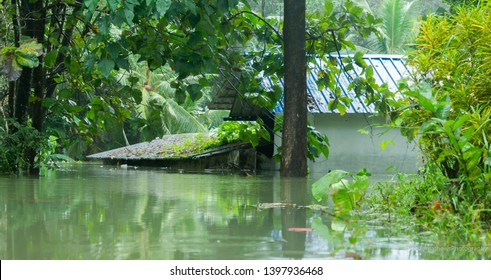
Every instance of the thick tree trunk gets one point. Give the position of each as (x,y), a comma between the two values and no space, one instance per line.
(29,20)
(294,144)
(23,90)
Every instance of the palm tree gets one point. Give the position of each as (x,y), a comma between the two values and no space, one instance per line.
(398,26)
(398,29)
(158,110)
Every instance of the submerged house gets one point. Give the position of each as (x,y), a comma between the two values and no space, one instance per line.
(182,153)
(350,149)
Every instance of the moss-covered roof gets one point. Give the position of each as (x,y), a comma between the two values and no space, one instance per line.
(169,147)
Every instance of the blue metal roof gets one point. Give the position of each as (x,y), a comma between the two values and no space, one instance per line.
(388,69)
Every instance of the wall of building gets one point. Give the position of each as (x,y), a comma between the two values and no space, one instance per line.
(351,150)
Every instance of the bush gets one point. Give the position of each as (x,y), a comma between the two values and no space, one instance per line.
(447,105)
(18,141)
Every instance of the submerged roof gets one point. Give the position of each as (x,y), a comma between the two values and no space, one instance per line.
(169,147)
(387,69)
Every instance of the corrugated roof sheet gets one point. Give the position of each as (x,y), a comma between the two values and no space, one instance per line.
(387,69)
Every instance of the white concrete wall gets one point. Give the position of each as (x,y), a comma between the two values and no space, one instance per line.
(351,150)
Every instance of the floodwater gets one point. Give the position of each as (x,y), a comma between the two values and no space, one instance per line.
(90,211)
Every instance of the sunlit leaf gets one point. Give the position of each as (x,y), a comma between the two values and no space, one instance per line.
(328,8)
(320,189)
(384,143)
(31,46)
(27,58)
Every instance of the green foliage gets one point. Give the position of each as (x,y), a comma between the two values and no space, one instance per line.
(200,143)
(330,34)
(398,26)
(345,194)
(15,145)
(340,234)
(227,133)
(14,58)
(317,143)
(399,21)
(456,4)
(447,107)
(425,201)
(16,141)
(234,131)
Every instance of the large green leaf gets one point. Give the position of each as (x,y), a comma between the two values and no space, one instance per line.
(189,4)
(91,5)
(328,8)
(443,108)
(320,189)
(27,54)
(50,58)
(31,46)
(194,91)
(340,195)
(162,6)
(113,4)
(27,58)
(106,66)
(128,16)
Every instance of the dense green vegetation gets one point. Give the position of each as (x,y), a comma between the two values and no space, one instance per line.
(444,107)
(99,75)
(81,77)
(448,106)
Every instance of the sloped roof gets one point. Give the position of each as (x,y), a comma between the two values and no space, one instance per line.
(169,147)
(228,97)
(387,69)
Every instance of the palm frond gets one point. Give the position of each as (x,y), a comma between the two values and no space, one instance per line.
(178,120)
(397,26)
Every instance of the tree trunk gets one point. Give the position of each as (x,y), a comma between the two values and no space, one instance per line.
(294,143)
(12,85)
(33,19)
(66,26)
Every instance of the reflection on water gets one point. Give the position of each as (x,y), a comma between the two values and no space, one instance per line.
(93,212)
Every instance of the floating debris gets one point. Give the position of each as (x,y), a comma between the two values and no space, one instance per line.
(300,229)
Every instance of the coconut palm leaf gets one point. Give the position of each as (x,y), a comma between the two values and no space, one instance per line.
(158,110)
(397,27)
(177,119)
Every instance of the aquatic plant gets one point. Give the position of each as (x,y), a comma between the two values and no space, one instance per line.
(345,194)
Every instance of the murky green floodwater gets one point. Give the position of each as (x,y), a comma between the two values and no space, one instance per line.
(94,212)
